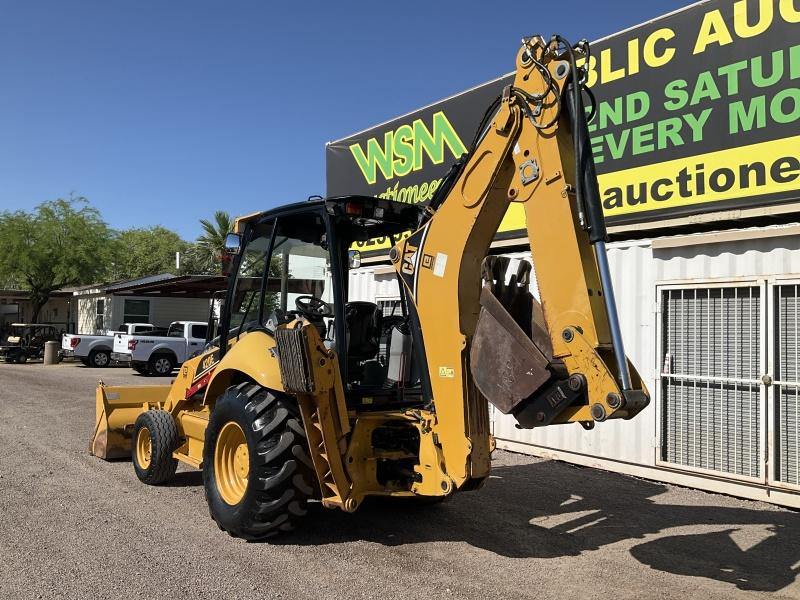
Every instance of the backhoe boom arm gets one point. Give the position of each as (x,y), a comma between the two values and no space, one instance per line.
(558,362)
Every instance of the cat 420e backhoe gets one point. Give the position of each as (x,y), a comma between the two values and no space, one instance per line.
(310,395)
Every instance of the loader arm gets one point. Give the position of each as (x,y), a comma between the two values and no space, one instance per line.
(561,362)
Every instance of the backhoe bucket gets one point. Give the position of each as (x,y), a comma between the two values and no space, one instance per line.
(507,366)
(511,358)
(116,411)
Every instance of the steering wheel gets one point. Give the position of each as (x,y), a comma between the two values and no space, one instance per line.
(312,307)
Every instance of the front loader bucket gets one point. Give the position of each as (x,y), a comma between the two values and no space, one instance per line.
(116,411)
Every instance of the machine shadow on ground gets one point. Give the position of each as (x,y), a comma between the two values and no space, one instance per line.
(552,509)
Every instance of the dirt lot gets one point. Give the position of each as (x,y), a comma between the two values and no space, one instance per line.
(73,526)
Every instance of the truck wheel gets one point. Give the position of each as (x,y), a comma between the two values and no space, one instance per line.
(257,472)
(155,438)
(22,358)
(99,358)
(160,365)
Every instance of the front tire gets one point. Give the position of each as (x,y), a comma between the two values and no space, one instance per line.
(257,472)
(155,438)
(160,365)
(99,359)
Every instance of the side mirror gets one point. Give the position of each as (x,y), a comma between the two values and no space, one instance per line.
(354,259)
(233,243)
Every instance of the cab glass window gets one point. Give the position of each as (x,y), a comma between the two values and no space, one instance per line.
(175,330)
(300,264)
(245,302)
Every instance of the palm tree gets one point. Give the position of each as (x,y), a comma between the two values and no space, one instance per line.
(211,243)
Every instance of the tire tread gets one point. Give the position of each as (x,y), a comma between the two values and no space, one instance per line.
(282,475)
(164,438)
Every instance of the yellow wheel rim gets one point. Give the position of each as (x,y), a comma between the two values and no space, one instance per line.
(231,463)
(144,448)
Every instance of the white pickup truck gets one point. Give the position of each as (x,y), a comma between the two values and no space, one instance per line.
(95,350)
(159,355)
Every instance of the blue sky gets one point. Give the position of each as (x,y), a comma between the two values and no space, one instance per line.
(161,112)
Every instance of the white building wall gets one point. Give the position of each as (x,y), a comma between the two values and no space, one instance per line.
(55,311)
(87,313)
(163,311)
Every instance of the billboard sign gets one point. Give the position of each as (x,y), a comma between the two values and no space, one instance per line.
(697,111)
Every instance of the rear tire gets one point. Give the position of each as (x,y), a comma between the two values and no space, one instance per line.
(257,484)
(155,438)
(99,359)
(160,365)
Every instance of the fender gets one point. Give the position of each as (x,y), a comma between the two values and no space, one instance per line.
(165,348)
(245,360)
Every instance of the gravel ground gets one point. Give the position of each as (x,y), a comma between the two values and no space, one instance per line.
(73,526)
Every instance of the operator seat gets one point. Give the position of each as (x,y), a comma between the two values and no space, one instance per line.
(363,329)
(364,320)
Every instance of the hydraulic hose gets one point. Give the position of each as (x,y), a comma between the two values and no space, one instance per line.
(587,193)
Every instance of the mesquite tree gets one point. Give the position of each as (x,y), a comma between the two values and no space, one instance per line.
(61,243)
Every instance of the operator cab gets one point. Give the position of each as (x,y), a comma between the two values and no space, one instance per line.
(295,261)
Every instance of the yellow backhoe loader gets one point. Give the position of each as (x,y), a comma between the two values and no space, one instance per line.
(305,394)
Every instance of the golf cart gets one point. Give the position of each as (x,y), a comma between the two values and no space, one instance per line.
(26,341)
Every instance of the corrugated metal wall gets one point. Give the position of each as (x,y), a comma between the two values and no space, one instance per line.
(373,283)
(642,272)
(631,441)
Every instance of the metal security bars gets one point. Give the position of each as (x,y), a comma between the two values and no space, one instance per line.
(786,387)
(711,389)
(390,307)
